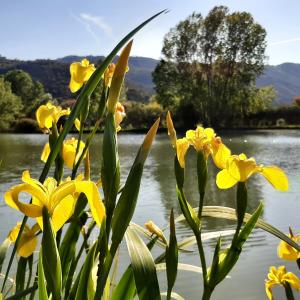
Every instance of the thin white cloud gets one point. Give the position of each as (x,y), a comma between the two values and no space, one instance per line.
(97,21)
(294,40)
(88,28)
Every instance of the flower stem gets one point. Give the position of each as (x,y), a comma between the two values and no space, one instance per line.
(288,291)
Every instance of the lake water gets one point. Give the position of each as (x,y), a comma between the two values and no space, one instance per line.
(158,196)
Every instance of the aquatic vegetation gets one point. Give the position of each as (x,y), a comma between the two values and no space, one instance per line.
(68,211)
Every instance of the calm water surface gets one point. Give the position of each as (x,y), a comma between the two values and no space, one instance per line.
(158,196)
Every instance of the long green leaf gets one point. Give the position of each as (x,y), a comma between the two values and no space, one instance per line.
(127,202)
(228,213)
(41,279)
(21,273)
(182,267)
(51,259)
(82,290)
(143,267)
(172,256)
(189,241)
(126,286)
(173,295)
(3,249)
(67,249)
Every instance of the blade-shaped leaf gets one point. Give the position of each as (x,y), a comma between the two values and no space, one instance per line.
(189,241)
(127,202)
(173,295)
(143,267)
(172,255)
(3,249)
(51,259)
(41,279)
(228,213)
(21,272)
(125,288)
(82,290)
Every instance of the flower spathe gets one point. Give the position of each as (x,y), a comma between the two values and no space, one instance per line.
(108,74)
(28,240)
(59,200)
(80,74)
(48,114)
(119,115)
(286,251)
(239,168)
(154,229)
(68,151)
(280,277)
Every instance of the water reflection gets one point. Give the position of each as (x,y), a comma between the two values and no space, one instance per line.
(158,196)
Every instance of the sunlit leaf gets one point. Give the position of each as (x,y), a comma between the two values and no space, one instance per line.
(173,295)
(228,213)
(143,267)
(41,279)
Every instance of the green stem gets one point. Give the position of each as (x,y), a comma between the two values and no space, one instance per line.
(202,179)
(207,293)
(202,256)
(241,206)
(288,291)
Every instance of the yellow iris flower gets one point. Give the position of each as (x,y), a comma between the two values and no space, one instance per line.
(80,74)
(287,252)
(68,151)
(59,200)
(48,114)
(28,240)
(202,139)
(280,277)
(239,168)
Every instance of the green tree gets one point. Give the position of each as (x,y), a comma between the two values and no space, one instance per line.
(30,91)
(209,66)
(262,99)
(10,105)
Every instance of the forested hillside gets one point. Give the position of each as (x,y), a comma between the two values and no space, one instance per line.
(54,75)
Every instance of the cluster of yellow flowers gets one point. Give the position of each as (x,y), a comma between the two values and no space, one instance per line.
(234,168)
(279,276)
(58,197)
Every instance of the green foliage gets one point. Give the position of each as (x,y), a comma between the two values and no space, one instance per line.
(261,99)
(30,91)
(10,105)
(209,66)
(141,116)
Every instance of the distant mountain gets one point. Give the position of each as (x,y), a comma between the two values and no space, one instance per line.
(54,74)
(286,80)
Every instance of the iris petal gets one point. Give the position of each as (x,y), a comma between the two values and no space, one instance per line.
(225,180)
(31,210)
(62,212)
(97,207)
(276,177)
(182,146)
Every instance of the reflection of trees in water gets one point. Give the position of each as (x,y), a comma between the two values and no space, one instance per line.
(163,173)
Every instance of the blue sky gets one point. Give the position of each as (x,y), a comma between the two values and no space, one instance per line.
(34,29)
